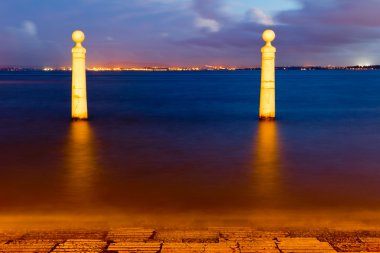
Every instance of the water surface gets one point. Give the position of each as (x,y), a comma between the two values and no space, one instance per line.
(181,143)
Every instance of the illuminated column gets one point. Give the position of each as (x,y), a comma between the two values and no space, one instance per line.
(267,93)
(79,96)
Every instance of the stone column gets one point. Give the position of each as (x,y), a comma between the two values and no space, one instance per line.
(267,92)
(79,96)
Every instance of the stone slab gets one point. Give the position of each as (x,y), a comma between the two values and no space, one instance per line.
(130,235)
(28,246)
(135,247)
(81,245)
(288,245)
(187,236)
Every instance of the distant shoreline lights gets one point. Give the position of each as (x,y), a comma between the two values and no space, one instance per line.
(207,68)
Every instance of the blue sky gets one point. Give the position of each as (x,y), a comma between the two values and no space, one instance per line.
(268,6)
(189,32)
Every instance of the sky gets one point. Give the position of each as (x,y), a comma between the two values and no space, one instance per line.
(126,33)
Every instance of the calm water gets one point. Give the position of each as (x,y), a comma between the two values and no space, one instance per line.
(177,143)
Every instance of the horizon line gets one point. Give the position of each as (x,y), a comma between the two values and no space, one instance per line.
(191,68)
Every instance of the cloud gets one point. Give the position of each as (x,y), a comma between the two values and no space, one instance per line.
(210,9)
(259,16)
(23,46)
(209,24)
(29,28)
(208,15)
(189,32)
(330,32)
(319,32)
(352,13)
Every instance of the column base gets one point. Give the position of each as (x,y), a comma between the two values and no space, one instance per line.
(266,118)
(79,119)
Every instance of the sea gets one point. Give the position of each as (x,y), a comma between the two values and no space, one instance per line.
(188,148)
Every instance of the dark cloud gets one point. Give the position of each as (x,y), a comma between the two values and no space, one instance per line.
(211,9)
(331,28)
(320,32)
(353,13)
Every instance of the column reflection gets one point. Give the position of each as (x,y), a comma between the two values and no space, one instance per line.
(82,165)
(267,164)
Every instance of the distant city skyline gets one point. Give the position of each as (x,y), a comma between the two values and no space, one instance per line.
(193,68)
(186,33)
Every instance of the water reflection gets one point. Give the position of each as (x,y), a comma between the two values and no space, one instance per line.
(82,165)
(267,163)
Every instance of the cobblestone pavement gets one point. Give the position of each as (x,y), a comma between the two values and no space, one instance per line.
(207,240)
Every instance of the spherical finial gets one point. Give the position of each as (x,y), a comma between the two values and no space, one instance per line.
(78,36)
(268,36)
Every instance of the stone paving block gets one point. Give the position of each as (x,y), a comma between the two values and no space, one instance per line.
(334,237)
(81,245)
(221,247)
(151,247)
(234,233)
(258,246)
(183,247)
(370,239)
(371,244)
(27,246)
(188,236)
(246,234)
(372,247)
(350,246)
(211,240)
(130,235)
(61,235)
(269,234)
(287,245)
(7,236)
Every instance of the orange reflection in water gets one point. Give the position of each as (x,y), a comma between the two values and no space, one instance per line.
(267,163)
(82,165)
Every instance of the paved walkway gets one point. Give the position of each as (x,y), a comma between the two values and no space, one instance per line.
(207,240)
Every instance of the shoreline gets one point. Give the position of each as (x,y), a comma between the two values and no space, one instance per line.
(359,220)
(137,70)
